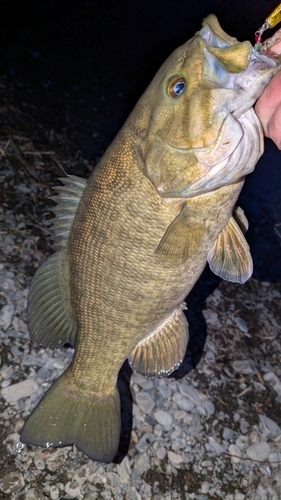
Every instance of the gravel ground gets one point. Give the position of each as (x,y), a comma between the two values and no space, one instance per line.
(214,433)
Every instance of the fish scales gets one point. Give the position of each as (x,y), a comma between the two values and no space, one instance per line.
(125,313)
(133,240)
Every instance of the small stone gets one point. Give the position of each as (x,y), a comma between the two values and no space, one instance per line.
(205,486)
(209,407)
(145,441)
(227,434)
(258,451)
(34,494)
(142,381)
(6,382)
(54,492)
(245,366)
(274,381)
(275,459)
(158,430)
(163,417)
(242,325)
(174,458)
(165,391)
(235,453)
(244,426)
(210,357)
(124,470)
(20,390)
(269,428)
(39,463)
(142,463)
(72,488)
(242,442)
(189,392)
(182,402)
(145,401)
(6,316)
(11,482)
(239,496)
(161,452)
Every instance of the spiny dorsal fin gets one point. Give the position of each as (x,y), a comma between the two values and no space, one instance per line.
(68,199)
(230,257)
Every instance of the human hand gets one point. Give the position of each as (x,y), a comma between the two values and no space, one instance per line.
(268,106)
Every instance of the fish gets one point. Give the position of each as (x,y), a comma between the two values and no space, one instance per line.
(132,240)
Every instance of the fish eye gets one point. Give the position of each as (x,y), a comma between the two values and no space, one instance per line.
(176,87)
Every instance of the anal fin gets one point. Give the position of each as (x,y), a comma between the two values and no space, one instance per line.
(163,350)
(230,257)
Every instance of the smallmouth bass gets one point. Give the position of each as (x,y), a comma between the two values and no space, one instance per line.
(132,240)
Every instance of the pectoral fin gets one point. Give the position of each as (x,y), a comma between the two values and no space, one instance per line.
(163,350)
(230,256)
(181,239)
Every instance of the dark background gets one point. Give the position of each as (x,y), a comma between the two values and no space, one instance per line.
(83,65)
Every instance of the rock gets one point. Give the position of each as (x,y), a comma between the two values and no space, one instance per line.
(165,391)
(235,453)
(275,459)
(72,488)
(145,401)
(39,463)
(244,426)
(54,492)
(20,390)
(269,428)
(205,486)
(242,325)
(34,494)
(245,366)
(189,392)
(124,470)
(258,451)
(163,417)
(227,434)
(142,463)
(11,482)
(6,316)
(161,452)
(209,407)
(182,402)
(210,357)
(142,381)
(145,441)
(174,458)
(274,381)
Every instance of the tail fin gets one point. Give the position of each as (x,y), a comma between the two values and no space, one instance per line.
(64,417)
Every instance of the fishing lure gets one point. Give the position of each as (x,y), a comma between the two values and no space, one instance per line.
(272,20)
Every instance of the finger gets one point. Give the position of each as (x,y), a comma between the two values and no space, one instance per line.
(269,101)
(274,127)
(275,49)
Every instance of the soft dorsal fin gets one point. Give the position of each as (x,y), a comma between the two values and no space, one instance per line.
(50,317)
(68,199)
(230,257)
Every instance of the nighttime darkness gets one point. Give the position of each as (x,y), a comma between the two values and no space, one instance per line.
(163,375)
